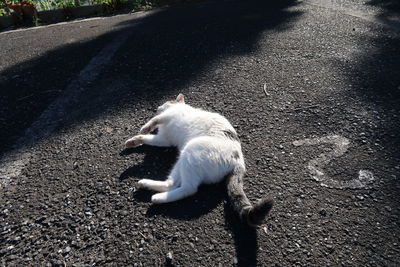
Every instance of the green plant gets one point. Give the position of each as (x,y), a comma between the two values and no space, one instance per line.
(142,4)
(36,21)
(45,4)
(4,9)
(54,4)
(67,3)
(110,6)
(3,12)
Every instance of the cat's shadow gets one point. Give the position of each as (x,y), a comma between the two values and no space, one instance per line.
(156,165)
(245,238)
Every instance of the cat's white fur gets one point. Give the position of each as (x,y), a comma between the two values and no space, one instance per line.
(207,153)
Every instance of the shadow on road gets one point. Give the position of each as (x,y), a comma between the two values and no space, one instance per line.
(376,79)
(204,201)
(389,12)
(156,163)
(389,6)
(166,50)
(245,238)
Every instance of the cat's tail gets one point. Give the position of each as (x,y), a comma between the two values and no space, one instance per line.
(253,215)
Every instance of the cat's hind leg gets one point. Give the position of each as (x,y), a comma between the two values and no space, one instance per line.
(172,182)
(160,186)
(187,186)
(173,195)
(148,139)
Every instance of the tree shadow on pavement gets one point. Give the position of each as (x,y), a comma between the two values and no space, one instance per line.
(376,79)
(388,5)
(389,12)
(165,50)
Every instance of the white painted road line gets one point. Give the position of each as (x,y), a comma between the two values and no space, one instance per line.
(12,163)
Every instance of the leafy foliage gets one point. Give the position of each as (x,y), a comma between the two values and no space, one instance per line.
(3,9)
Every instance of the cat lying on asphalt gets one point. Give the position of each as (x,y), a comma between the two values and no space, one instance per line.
(209,151)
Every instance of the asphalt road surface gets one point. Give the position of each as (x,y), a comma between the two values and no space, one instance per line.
(312,87)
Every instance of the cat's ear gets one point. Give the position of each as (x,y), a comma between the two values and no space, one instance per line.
(180,98)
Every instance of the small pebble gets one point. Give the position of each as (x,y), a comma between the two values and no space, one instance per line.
(67,250)
(169,256)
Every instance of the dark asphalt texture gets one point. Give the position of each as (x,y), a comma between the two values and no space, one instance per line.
(326,72)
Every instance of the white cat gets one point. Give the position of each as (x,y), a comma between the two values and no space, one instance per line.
(209,151)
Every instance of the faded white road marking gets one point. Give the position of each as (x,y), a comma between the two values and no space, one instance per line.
(315,166)
(12,163)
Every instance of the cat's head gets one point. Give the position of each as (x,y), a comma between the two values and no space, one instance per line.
(180,99)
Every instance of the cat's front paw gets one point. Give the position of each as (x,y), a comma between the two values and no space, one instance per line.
(134,142)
